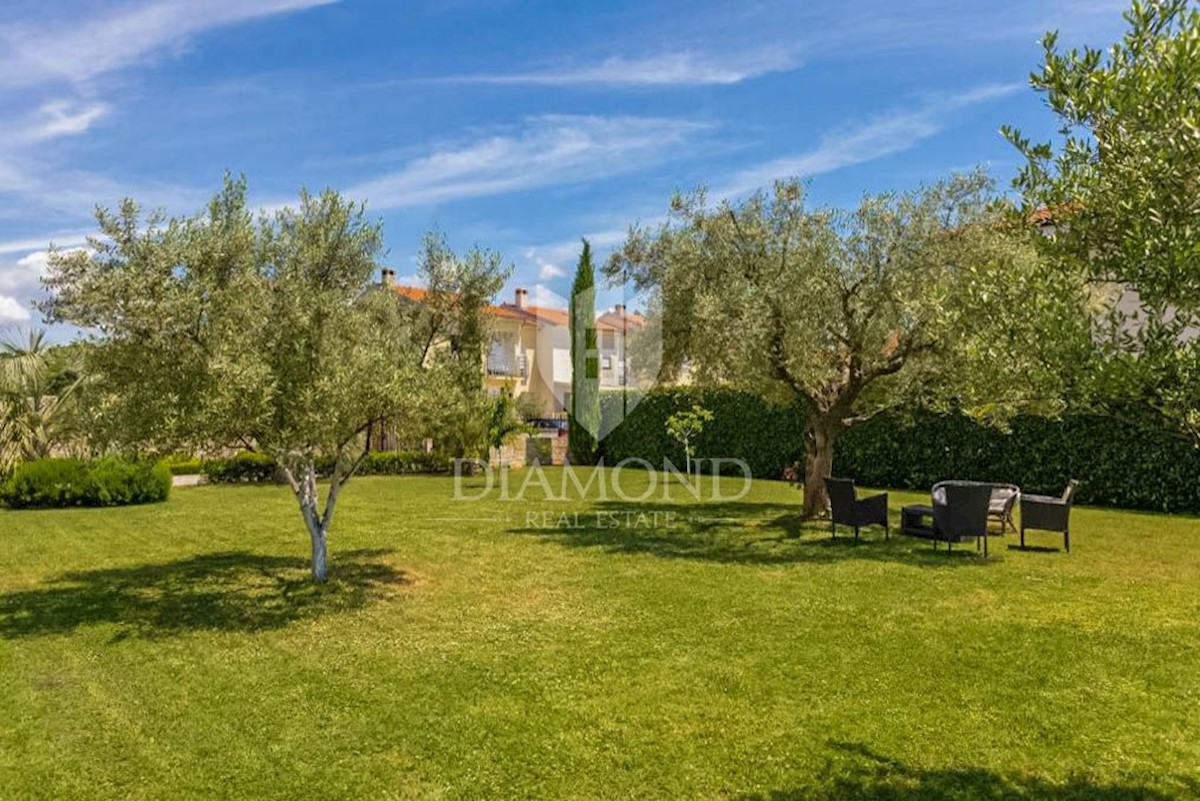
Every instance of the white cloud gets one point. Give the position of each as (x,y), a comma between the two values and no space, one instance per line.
(567,251)
(546,298)
(548,271)
(548,151)
(665,69)
(880,137)
(81,49)
(12,312)
(875,139)
(56,58)
(23,276)
(63,118)
(62,239)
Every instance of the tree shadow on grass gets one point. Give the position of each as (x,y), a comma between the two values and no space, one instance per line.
(869,775)
(734,532)
(228,591)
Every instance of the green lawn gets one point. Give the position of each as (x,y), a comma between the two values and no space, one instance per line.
(178,650)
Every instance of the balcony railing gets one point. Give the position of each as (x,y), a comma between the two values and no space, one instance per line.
(506,366)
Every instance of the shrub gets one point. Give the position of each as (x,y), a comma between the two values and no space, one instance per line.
(45,483)
(110,481)
(255,468)
(184,465)
(539,449)
(395,463)
(116,482)
(242,468)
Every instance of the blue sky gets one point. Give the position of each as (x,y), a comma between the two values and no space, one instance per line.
(520,126)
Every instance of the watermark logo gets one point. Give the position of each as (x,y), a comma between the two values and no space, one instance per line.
(715,480)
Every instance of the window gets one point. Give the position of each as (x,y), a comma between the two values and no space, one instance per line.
(608,339)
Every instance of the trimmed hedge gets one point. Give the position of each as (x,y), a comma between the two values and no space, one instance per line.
(183,465)
(111,481)
(243,468)
(255,468)
(397,463)
(1118,464)
(744,426)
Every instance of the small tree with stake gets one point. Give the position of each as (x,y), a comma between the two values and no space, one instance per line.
(223,329)
(686,427)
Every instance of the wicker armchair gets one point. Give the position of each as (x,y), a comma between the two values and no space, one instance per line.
(960,512)
(1000,506)
(850,510)
(1046,513)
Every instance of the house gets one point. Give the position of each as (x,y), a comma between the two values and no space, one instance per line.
(530,350)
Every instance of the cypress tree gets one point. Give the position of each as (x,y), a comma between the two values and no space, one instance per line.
(583,414)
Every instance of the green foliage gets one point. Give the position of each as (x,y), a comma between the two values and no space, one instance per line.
(39,389)
(255,468)
(45,483)
(744,426)
(504,423)
(685,427)
(584,414)
(928,296)
(543,450)
(1121,190)
(1122,182)
(229,326)
(110,481)
(1119,464)
(399,463)
(529,406)
(184,464)
(242,468)
(1128,465)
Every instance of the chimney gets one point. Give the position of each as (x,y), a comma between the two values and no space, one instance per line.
(619,309)
(387,277)
(522,298)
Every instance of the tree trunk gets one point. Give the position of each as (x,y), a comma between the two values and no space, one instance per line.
(304,486)
(319,554)
(818,464)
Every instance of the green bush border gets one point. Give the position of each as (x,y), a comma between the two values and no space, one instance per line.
(109,481)
(1119,464)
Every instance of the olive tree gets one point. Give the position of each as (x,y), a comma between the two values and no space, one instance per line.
(1121,189)
(926,297)
(226,329)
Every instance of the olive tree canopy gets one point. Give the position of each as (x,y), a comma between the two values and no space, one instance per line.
(227,329)
(927,297)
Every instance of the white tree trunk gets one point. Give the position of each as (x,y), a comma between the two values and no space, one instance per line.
(319,554)
(304,484)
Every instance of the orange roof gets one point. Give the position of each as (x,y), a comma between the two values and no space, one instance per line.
(411,292)
(418,294)
(620,320)
(509,313)
(545,315)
